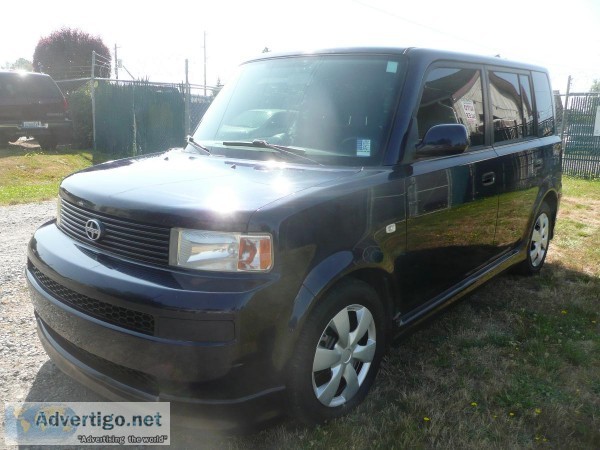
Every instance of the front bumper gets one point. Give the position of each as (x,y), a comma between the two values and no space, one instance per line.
(209,340)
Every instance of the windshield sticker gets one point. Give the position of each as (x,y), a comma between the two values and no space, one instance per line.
(392,67)
(363,147)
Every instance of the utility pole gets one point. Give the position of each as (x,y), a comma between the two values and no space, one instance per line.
(93,88)
(565,115)
(116,63)
(205,63)
(187,100)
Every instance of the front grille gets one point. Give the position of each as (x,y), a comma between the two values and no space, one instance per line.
(125,375)
(133,240)
(116,315)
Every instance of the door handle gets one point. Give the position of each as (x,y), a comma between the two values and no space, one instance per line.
(488,179)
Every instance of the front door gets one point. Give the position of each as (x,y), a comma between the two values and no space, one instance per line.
(452,201)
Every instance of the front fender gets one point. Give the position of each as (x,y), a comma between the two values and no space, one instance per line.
(318,280)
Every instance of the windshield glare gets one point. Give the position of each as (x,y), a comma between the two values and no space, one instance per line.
(335,109)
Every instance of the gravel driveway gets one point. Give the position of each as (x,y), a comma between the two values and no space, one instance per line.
(26,373)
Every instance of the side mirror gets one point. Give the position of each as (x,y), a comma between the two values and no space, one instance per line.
(445,139)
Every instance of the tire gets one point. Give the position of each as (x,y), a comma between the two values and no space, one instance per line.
(345,363)
(47,144)
(538,242)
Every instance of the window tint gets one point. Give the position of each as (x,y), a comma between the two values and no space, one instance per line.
(453,96)
(543,103)
(512,106)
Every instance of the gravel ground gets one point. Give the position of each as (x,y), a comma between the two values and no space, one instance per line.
(26,372)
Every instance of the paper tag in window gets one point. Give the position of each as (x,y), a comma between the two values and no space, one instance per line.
(363,147)
(469,109)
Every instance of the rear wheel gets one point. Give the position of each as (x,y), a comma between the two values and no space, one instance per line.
(338,353)
(539,240)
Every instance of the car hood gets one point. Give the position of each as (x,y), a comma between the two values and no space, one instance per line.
(187,190)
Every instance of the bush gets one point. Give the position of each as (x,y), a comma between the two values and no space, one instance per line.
(80,106)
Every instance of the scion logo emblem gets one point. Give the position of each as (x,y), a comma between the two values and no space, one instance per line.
(94,229)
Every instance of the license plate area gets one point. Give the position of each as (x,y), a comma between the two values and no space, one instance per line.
(34,124)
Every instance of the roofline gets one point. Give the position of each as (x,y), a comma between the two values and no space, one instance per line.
(23,72)
(425,53)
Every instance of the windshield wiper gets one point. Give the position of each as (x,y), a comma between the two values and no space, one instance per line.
(190,140)
(260,143)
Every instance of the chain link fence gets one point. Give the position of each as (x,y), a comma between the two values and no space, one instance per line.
(127,118)
(580,130)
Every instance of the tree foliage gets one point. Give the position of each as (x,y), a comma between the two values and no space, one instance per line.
(19,64)
(67,53)
(595,86)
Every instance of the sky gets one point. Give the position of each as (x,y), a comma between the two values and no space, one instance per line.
(154,39)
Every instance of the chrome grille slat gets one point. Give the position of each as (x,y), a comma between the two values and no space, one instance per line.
(142,240)
(122,237)
(127,223)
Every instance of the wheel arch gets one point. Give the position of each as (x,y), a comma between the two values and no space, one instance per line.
(324,278)
(551,199)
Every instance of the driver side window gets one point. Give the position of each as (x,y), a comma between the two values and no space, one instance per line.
(451,96)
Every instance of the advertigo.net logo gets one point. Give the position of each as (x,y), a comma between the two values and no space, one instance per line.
(78,423)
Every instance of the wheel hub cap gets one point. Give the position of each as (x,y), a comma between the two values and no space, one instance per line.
(344,355)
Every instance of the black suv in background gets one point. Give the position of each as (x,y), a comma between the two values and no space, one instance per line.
(277,258)
(31,104)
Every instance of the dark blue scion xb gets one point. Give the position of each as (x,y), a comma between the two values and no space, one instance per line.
(326,203)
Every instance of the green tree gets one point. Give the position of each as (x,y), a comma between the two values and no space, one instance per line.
(595,86)
(217,88)
(67,53)
(19,64)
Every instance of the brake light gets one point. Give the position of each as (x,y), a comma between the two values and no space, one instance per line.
(65,104)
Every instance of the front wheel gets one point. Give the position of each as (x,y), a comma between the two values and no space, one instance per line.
(338,353)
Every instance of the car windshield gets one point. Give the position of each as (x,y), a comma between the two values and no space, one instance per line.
(333,109)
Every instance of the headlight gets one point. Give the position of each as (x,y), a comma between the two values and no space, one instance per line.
(225,252)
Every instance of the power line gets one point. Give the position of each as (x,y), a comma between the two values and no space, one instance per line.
(388,13)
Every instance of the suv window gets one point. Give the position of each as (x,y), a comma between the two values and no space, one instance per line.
(543,103)
(453,95)
(512,106)
(26,86)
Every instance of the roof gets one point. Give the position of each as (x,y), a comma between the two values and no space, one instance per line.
(423,54)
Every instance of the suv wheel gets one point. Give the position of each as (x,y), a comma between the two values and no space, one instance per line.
(539,240)
(47,143)
(338,353)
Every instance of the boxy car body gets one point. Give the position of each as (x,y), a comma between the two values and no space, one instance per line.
(281,266)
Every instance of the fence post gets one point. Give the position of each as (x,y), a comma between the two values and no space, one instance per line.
(187,100)
(93,93)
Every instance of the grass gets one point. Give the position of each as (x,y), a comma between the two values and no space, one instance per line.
(516,364)
(32,175)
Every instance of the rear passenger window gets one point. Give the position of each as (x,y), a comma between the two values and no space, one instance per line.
(543,103)
(453,96)
(512,106)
